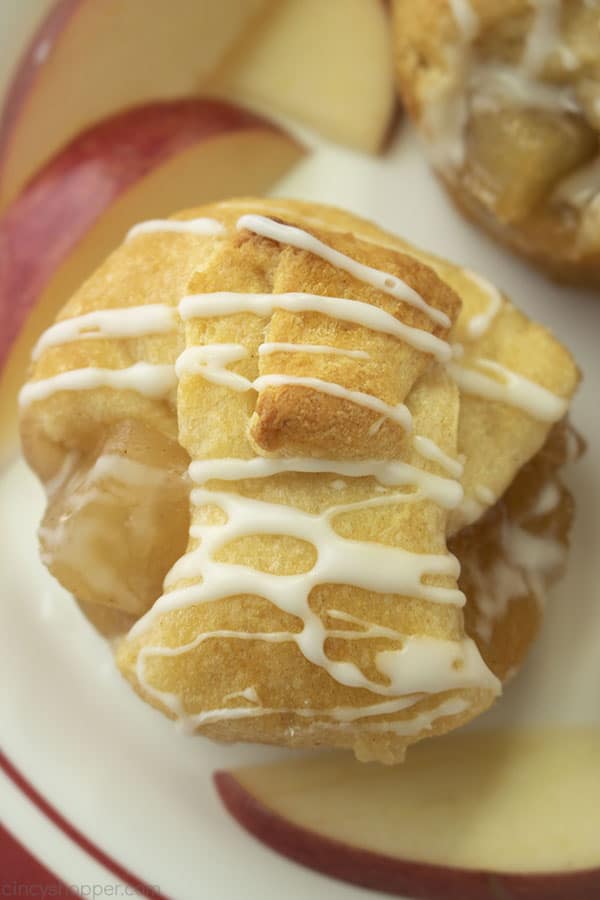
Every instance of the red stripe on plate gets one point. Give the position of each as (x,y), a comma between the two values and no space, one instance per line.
(75,835)
(20,868)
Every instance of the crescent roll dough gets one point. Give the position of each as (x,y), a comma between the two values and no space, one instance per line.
(259,424)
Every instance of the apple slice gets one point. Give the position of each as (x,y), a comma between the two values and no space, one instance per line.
(89,59)
(327,65)
(467,817)
(144,163)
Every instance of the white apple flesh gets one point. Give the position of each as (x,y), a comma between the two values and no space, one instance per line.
(89,59)
(467,817)
(145,163)
(327,65)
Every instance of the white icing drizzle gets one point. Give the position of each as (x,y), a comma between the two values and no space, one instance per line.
(520,85)
(365,564)
(303,240)
(430,450)
(528,564)
(466,19)
(209,360)
(487,87)
(421,721)
(582,187)
(202,226)
(143,378)
(480,323)
(449,664)
(468,511)
(531,552)
(515,390)
(446,113)
(543,37)
(495,84)
(58,481)
(284,347)
(421,665)
(485,495)
(443,491)
(547,500)
(494,593)
(247,694)
(224,303)
(126,322)
(399,414)
(338,717)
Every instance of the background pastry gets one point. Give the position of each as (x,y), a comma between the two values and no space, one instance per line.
(314,395)
(505,94)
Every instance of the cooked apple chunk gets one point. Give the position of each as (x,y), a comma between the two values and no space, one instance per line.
(110,507)
(514,157)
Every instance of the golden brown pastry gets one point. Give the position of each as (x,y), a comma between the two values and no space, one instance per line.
(506,94)
(254,424)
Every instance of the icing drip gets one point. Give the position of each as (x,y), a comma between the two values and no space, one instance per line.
(429,450)
(529,563)
(58,481)
(399,414)
(296,237)
(520,85)
(479,324)
(494,594)
(247,694)
(336,717)
(443,491)
(582,187)
(485,495)
(514,390)
(201,226)
(533,553)
(143,378)
(283,347)
(495,85)
(543,37)
(128,322)
(468,512)
(210,361)
(547,500)
(446,114)
(466,19)
(226,303)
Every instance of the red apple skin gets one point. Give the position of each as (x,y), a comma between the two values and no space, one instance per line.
(99,165)
(403,878)
(28,67)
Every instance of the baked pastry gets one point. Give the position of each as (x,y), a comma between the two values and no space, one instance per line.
(506,94)
(303,367)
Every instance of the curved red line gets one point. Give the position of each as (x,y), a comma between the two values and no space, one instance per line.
(19,867)
(75,835)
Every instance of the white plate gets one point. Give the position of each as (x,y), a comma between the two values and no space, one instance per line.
(116,769)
